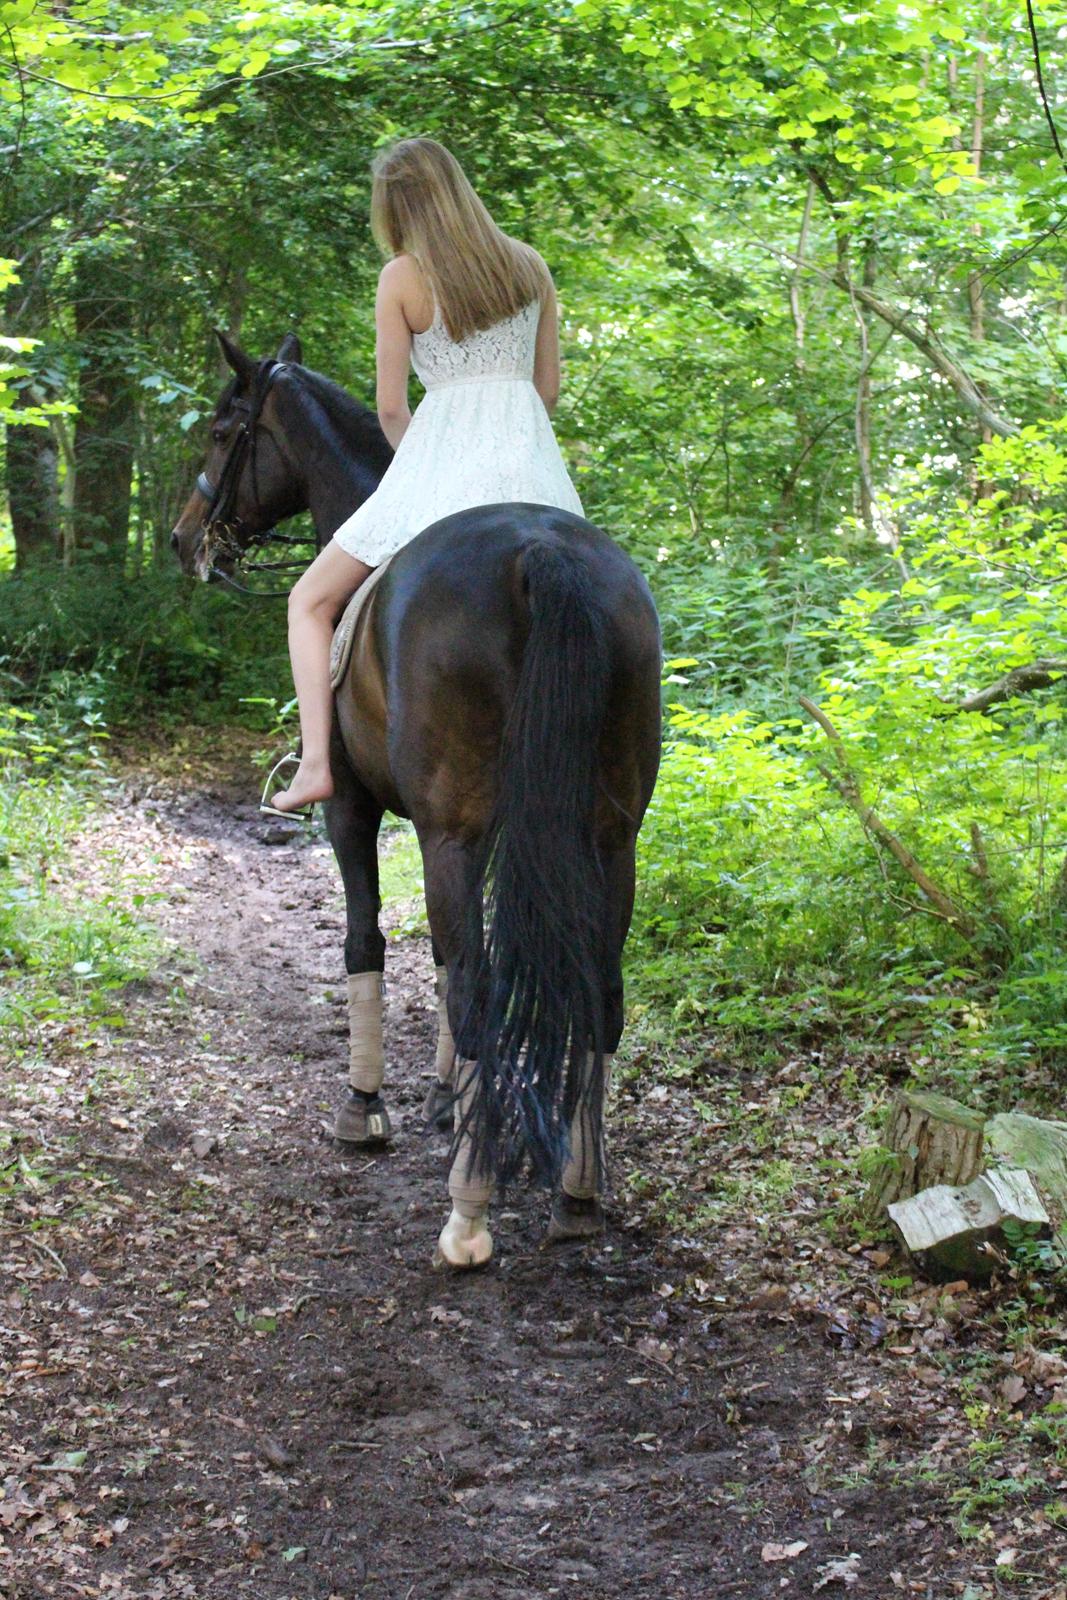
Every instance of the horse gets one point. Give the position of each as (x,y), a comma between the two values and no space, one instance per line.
(503,693)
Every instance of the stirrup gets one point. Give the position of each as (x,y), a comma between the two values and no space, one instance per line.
(303,813)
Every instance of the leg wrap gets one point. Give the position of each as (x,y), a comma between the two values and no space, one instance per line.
(366,1058)
(585,1164)
(446,1048)
(469,1191)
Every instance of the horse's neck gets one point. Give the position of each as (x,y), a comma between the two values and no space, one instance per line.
(339,457)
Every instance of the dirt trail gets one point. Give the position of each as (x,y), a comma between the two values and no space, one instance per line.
(237,1323)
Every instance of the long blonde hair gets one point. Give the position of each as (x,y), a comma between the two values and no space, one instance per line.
(422,205)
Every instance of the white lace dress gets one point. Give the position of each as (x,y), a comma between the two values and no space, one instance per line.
(479,435)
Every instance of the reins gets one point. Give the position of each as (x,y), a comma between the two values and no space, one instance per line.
(217,524)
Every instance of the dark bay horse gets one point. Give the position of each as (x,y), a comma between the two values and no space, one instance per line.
(503,694)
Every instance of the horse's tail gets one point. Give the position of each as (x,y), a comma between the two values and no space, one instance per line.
(535,1023)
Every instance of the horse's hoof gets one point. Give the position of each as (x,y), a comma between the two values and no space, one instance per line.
(464,1243)
(362,1122)
(574,1219)
(437,1112)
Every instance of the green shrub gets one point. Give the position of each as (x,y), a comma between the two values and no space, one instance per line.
(64,954)
(165,645)
(761,892)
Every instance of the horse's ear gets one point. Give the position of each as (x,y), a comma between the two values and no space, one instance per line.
(289,349)
(243,365)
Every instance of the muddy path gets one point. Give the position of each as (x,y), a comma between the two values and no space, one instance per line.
(231,1370)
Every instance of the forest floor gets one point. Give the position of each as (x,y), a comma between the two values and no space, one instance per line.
(229,1370)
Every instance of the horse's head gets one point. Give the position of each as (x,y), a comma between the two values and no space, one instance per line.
(248,483)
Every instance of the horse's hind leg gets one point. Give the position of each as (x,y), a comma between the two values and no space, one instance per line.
(353,818)
(438,1107)
(450,874)
(576,1209)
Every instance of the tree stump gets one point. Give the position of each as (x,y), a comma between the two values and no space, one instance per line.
(1016,1140)
(933,1140)
(946,1229)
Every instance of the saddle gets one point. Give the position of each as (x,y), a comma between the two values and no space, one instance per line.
(345,632)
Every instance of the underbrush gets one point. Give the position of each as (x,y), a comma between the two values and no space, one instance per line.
(68,947)
(888,859)
(162,647)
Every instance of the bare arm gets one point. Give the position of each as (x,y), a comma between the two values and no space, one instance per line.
(392,351)
(546,352)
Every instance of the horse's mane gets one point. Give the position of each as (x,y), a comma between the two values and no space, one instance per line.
(351,446)
(364,451)
(349,415)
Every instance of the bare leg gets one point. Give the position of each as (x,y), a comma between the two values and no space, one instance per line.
(317,600)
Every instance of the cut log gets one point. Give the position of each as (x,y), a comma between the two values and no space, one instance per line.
(946,1229)
(933,1140)
(1015,1140)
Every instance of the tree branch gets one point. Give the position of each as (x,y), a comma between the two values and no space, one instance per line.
(923,340)
(1037,675)
(1041,83)
(846,784)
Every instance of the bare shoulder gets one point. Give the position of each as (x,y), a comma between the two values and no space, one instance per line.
(402,283)
(400,277)
(548,288)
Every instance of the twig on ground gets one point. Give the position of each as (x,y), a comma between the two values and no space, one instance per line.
(117,1159)
(39,1244)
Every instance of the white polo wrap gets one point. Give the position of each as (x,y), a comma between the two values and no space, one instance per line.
(446,1046)
(366,1056)
(580,1175)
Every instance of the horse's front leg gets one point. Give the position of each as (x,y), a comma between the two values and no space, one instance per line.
(353,818)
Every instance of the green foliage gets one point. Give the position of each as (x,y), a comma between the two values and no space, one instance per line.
(1040,1263)
(159,644)
(65,954)
(763,888)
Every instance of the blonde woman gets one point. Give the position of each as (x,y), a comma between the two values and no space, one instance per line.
(475,313)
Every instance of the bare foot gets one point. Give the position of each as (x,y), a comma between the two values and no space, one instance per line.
(310,784)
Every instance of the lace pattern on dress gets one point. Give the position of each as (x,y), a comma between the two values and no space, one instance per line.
(506,350)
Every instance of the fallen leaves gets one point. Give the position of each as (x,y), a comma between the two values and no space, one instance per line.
(846,1572)
(783,1552)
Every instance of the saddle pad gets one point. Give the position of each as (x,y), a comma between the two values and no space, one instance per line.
(345,631)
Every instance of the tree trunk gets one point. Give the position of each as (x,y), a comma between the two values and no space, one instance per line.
(103,438)
(33,490)
(802,426)
(1013,1139)
(949,1231)
(32,465)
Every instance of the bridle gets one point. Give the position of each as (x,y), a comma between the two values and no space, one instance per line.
(219,523)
